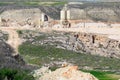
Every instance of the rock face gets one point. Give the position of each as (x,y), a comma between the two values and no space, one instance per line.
(97,44)
(105,12)
(3,36)
(27,15)
(7,60)
(67,73)
(77,14)
(21,16)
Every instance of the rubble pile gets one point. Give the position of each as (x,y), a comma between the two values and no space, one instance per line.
(67,73)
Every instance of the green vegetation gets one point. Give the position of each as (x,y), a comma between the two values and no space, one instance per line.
(6,3)
(40,55)
(19,32)
(104,75)
(14,74)
(47,54)
(44,3)
(30,34)
(34,3)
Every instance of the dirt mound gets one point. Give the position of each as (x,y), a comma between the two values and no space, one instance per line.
(68,73)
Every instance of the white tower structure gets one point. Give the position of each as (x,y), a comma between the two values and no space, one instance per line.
(65,13)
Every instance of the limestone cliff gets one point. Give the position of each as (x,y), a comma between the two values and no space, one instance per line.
(105,12)
(97,44)
(27,15)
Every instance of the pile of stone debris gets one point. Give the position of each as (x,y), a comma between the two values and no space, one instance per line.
(65,73)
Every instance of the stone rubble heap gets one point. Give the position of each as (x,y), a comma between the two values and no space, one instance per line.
(65,73)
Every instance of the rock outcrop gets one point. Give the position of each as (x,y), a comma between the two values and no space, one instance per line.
(27,15)
(104,12)
(97,44)
(7,59)
(3,36)
(67,73)
(88,43)
(21,17)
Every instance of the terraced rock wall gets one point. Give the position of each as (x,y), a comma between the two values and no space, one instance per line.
(97,44)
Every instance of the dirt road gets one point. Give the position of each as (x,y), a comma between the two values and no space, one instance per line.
(13,39)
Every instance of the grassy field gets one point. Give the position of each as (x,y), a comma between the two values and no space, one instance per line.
(37,54)
(104,75)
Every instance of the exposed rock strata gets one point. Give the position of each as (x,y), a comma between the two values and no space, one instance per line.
(97,44)
(3,36)
(87,11)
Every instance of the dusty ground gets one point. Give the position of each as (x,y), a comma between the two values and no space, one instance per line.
(113,33)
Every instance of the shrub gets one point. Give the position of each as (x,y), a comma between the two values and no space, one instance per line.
(14,74)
